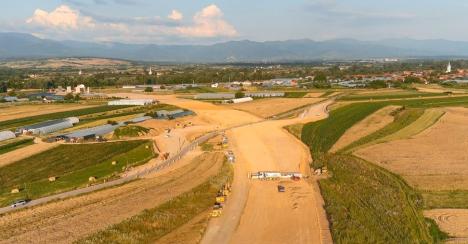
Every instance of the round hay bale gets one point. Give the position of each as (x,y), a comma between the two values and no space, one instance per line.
(52,179)
(146,146)
(92,179)
(16,190)
(114,162)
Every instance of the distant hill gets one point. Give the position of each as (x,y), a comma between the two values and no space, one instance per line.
(19,45)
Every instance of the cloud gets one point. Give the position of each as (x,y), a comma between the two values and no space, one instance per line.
(175,15)
(65,22)
(209,22)
(63,17)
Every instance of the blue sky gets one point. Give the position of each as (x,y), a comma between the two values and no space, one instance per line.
(204,22)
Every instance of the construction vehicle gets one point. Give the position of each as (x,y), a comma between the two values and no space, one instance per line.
(281,188)
(217,210)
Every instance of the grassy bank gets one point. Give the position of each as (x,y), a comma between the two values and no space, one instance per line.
(367,204)
(152,224)
(72,165)
(15,144)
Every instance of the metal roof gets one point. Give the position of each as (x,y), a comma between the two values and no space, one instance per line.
(97,131)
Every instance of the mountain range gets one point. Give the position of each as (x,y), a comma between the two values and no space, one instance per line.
(21,45)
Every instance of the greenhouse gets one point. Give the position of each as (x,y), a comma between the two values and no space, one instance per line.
(5,135)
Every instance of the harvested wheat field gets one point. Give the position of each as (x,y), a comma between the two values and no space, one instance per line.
(272,106)
(8,112)
(452,221)
(435,159)
(75,218)
(367,126)
(314,94)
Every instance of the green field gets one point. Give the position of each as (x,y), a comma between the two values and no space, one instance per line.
(152,224)
(445,199)
(14,144)
(130,131)
(72,165)
(367,204)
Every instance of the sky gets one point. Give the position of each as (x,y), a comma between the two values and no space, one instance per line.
(206,22)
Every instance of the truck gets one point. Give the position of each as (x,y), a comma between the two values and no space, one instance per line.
(274,175)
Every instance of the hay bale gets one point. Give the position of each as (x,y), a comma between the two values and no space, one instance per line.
(16,190)
(92,179)
(52,179)
(146,146)
(114,162)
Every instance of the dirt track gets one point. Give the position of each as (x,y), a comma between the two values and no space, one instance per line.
(71,219)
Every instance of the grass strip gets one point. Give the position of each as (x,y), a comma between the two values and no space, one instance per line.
(17,144)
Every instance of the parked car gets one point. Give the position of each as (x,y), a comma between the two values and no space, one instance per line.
(281,188)
(18,203)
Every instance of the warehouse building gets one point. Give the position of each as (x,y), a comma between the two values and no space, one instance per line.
(241,100)
(48,126)
(214,96)
(6,135)
(132,102)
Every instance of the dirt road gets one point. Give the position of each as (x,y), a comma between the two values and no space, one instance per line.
(256,212)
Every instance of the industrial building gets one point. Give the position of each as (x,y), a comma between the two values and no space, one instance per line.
(132,102)
(45,96)
(215,96)
(48,126)
(6,135)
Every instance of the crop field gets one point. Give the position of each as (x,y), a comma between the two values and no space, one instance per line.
(389,95)
(403,118)
(9,112)
(367,126)
(366,204)
(358,189)
(153,224)
(295,94)
(14,123)
(72,165)
(14,144)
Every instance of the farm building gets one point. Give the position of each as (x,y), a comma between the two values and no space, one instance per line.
(5,135)
(164,114)
(139,119)
(45,96)
(90,133)
(132,102)
(241,100)
(48,126)
(214,96)
(264,94)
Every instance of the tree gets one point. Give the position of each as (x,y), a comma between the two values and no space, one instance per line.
(149,89)
(239,94)
(77,97)
(412,79)
(69,97)
(321,77)
(3,87)
(377,84)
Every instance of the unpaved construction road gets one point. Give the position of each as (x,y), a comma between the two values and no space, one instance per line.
(256,212)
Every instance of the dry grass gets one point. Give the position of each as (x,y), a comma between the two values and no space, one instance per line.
(8,112)
(452,221)
(272,106)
